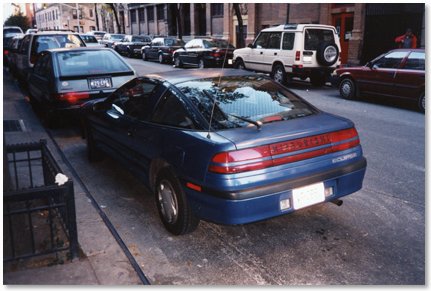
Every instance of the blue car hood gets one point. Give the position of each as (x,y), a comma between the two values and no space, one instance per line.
(285,130)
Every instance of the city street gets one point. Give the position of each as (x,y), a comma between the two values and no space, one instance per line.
(376,237)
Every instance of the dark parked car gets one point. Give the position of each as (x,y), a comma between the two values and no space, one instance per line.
(399,74)
(12,48)
(204,53)
(62,79)
(34,43)
(227,146)
(161,48)
(108,39)
(131,45)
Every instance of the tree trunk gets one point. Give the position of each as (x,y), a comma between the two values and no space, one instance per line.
(115,16)
(97,16)
(240,37)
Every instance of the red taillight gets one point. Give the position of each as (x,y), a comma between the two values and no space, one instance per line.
(297,55)
(5,52)
(73,97)
(275,154)
(215,54)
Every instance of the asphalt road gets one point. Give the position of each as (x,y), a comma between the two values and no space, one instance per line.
(376,237)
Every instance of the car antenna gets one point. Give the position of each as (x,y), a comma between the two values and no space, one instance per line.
(219,81)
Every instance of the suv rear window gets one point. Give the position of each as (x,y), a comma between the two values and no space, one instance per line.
(315,37)
(75,63)
(11,30)
(239,98)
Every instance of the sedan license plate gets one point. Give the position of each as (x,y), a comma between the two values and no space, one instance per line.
(308,195)
(100,83)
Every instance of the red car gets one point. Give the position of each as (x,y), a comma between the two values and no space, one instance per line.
(398,73)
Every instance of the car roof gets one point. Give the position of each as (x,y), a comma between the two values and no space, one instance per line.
(179,76)
(87,48)
(296,27)
(53,32)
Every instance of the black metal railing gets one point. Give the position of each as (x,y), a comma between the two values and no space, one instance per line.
(38,215)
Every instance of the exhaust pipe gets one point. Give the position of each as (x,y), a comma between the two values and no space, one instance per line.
(337,202)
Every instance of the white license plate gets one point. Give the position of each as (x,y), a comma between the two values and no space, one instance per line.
(308,195)
(99,83)
(230,61)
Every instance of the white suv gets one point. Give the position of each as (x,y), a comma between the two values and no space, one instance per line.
(293,50)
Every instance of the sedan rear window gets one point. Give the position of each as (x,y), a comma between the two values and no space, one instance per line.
(75,63)
(243,100)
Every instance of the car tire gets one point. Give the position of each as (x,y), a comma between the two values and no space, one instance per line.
(161,61)
(172,205)
(93,153)
(129,53)
(421,102)
(347,89)
(279,74)
(327,54)
(144,56)
(201,64)
(239,64)
(177,61)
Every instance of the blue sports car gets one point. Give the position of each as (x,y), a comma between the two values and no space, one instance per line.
(226,146)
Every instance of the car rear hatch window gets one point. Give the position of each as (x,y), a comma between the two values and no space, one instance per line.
(315,37)
(78,63)
(241,101)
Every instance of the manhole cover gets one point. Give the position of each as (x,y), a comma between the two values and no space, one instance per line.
(13,125)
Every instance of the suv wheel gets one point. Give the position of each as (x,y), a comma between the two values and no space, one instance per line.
(327,54)
(279,74)
(347,89)
(239,64)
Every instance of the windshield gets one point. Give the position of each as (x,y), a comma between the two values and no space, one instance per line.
(11,30)
(44,42)
(174,42)
(219,43)
(76,63)
(138,39)
(89,38)
(117,36)
(242,100)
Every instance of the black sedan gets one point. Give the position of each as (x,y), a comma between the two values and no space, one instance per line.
(131,45)
(161,49)
(62,78)
(204,52)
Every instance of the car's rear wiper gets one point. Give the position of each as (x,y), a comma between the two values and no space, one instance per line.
(258,124)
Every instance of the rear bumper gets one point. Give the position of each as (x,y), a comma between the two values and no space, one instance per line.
(262,203)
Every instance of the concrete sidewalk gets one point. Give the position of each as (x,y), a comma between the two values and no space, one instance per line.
(103,261)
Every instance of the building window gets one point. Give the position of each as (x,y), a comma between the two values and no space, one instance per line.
(91,13)
(74,14)
(141,12)
(160,12)
(150,13)
(133,16)
(217,9)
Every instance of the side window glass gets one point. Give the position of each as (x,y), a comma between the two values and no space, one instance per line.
(171,111)
(390,61)
(136,100)
(415,61)
(288,41)
(25,45)
(274,40)
(43,67)
(262,40)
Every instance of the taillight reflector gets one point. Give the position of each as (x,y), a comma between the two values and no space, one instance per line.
(269,155)
(297,55)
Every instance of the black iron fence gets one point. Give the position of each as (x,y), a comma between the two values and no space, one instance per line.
(38,213)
